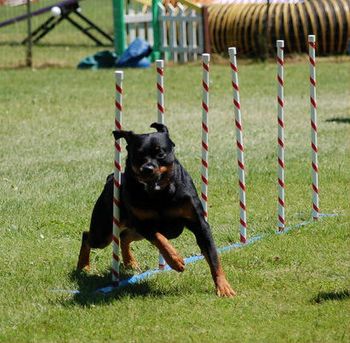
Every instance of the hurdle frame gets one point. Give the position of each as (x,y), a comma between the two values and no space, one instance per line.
(240,146)
(160,91)
(160,119)
(313,113)
(239,142)
(117,178)
(205,133)
(280,136)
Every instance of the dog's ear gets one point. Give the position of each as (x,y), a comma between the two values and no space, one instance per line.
(160,127)
(127,135)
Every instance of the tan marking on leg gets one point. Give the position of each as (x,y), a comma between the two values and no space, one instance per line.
(127,237)
(169,253)
(84,255)
(223,288)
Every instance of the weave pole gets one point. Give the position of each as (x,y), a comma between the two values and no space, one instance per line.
(280,140)
(313,108)
(160,90)
(205,133)
(160,119)
(119,75)
(240,146)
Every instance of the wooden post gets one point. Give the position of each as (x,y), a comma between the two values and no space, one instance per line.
(119,26)
(29,54)
(156,30)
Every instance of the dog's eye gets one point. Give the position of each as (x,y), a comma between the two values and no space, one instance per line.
(161,155)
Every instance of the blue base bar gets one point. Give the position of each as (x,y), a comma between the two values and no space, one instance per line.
(192,259)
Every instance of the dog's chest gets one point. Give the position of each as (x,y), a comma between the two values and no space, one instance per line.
(177,211)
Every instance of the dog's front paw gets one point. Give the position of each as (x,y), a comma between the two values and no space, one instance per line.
(180,264)
(224,289)
(177,263)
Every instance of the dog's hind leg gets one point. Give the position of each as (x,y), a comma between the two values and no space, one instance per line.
(92,240)
(126,238)
(84,255)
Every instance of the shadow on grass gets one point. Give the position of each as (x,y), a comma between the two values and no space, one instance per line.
(340,120)
(326,296)
(89,283)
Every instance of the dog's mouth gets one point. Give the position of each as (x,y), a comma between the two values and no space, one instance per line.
(156,180)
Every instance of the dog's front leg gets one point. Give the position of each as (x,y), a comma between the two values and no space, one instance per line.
(171,256)
(202,232)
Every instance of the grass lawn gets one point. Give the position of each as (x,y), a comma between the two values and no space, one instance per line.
(57,148)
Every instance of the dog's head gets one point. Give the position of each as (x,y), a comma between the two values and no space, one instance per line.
(150,156)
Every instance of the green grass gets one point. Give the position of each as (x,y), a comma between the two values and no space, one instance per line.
(63,46)
(56,150)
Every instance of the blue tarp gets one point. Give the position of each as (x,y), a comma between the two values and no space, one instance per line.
(135,56)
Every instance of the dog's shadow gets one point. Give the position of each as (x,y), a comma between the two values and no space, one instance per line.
(89,284)
(321,297)
(339,120)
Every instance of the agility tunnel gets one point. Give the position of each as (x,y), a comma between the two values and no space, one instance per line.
(254,26)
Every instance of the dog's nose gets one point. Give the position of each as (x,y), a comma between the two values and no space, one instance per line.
(147,169)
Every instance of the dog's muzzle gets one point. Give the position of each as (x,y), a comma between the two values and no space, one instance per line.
(153,177)
(149,175)
(148,170)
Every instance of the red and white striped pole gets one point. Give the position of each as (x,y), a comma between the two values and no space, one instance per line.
(119,75)
(280,140)
(160,119)
(313,107)
(205,133)
(160,90)
(240,146)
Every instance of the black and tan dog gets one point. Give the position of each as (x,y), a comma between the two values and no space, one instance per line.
(158,199)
